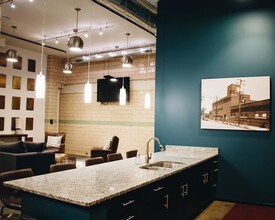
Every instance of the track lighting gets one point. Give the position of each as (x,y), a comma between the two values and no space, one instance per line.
(75,43)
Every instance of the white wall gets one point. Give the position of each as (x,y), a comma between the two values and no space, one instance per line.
(39,104)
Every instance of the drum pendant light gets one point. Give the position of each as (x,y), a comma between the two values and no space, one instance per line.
(75,43)
(12,55)
(126,60)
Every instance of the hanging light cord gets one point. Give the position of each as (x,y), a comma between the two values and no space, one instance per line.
(43,32)
(77,20)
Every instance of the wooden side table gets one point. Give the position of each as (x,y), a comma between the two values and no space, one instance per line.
(65,158)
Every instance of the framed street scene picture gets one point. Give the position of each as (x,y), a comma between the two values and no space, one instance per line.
(241,103)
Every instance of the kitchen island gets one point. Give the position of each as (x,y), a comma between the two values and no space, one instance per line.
(95,192)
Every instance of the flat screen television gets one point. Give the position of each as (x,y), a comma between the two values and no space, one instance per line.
(108,89)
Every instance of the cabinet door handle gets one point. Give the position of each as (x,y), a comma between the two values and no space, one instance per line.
(130,217)
(215,161)
(166,205)
(158,189)
(184,190)
(216,170)
(214,185)
(205,178)
(128,203)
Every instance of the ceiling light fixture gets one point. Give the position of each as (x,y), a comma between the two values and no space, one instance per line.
(86,35)
(100,32)
(68,67)
(12,55)
(56,41)
(75,43)
(40,82)
(147,97)
(127,60)
(122,94)
(12,5)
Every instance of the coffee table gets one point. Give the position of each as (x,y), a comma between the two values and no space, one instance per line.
(65,158)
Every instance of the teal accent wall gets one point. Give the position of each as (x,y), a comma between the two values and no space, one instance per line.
(208,41)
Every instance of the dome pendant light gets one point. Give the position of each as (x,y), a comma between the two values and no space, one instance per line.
(68,67)
(75,43)
(12,55)
(126,60)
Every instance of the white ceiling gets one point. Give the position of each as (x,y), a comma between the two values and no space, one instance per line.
(60,19)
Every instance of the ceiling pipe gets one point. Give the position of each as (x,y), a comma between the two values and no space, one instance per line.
(148,5)
(119,10)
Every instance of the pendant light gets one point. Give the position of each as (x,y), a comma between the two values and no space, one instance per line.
(68,67)
(147,97)
(12,55)
(40,82)
(126,60)
(88,85)
(75,43)
(122,94)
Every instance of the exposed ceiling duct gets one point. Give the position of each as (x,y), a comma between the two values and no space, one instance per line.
(141,12)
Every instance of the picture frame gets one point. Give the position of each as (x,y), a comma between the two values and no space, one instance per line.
(240,103)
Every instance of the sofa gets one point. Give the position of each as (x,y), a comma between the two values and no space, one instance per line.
(19,155)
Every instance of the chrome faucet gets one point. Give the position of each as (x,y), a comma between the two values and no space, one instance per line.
(148,157)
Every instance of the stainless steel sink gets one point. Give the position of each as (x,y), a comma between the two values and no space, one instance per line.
(162,164)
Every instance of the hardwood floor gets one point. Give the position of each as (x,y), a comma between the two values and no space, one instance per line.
(216,211)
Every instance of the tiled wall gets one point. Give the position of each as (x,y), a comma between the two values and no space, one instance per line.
(89,125)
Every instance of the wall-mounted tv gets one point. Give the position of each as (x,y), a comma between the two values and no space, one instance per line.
(108,89)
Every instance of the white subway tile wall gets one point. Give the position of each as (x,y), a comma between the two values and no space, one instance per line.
(91,125)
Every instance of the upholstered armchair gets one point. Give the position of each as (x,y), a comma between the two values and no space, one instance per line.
(53,142)
(104,151)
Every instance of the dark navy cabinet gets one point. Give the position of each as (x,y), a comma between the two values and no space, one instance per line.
(181,196)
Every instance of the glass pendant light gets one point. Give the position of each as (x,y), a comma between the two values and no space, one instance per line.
(147,100)
(40,82)
(68,67)
(12,55)
(122,94)
(75,43)
(147,97)
(88,85)
(126,60)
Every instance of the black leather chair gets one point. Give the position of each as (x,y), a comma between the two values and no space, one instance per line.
(94,161)
(113,157)
(62,167)
(99,152)
(11,198)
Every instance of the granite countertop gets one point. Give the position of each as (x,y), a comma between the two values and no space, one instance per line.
(91,185)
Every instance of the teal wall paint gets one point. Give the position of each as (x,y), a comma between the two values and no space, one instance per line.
(215,42)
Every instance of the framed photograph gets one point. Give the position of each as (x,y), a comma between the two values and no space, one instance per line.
(3,59)
(16,82)
(241,103)
(18,65)
(16,103)
(3,80)
(30,104)
(2,123)
(30,84)
(2,101)
(31,65)
(29,123)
